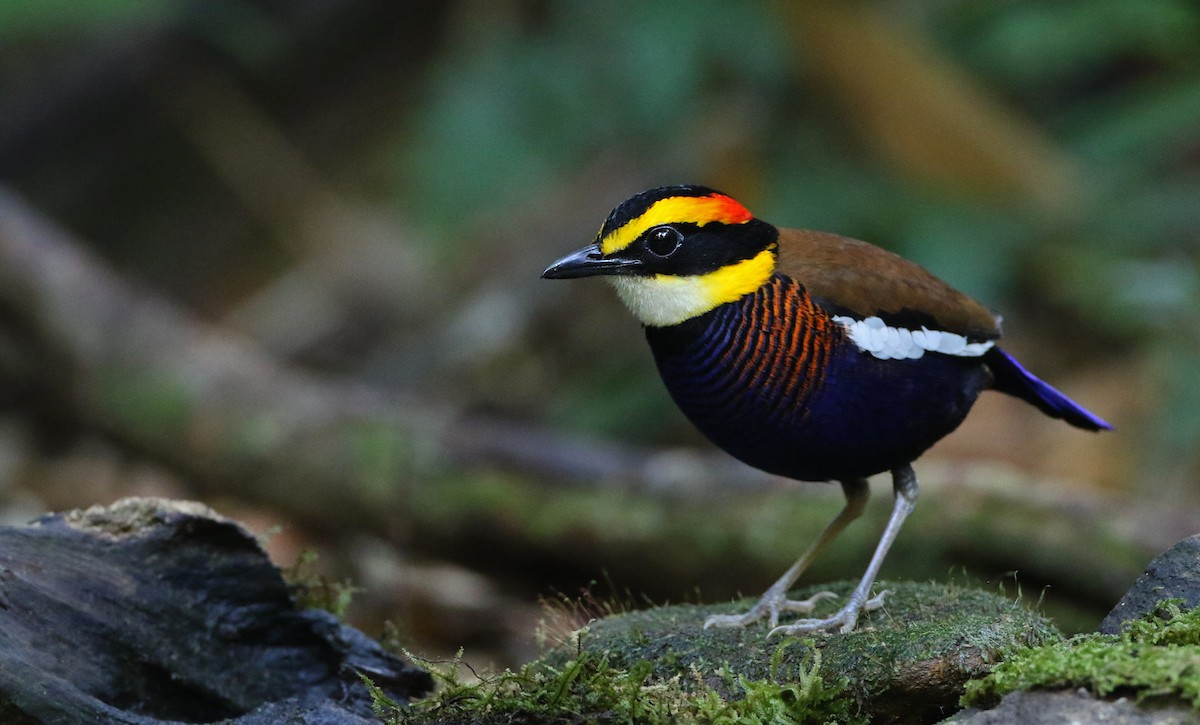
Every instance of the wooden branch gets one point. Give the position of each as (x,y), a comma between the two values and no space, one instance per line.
(215,407)
(208,404)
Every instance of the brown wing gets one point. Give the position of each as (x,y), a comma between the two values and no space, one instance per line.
(866,280)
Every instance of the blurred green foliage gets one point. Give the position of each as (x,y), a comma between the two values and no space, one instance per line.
(514,102)
(23,18)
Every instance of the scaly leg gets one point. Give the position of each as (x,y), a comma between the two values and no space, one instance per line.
(904,481)
(775,599)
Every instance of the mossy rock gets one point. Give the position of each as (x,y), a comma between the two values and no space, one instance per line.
(1154,660)
(906,662)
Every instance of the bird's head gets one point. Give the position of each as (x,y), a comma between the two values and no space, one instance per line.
(677,252)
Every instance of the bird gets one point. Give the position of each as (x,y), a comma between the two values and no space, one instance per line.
(805,354)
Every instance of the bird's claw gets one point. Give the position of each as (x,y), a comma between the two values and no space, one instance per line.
(846,617)
(875,602)
(770,606)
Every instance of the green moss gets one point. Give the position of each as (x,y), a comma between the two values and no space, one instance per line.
(312,590)
(1154,657)
(913,655)
(907,660)
(588,689)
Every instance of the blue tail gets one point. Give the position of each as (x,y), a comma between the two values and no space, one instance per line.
(1015,380)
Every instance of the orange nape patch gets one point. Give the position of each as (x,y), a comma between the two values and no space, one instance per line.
(698,210)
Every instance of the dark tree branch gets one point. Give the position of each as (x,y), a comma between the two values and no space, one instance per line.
(214,406)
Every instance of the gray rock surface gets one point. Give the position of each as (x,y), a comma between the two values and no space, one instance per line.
(151,611)
(1058,708)
(1174,574)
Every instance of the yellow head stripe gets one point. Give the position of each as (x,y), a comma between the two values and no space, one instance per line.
(699,210)
(737,280)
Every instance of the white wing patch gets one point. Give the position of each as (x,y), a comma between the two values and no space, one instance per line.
(873,335)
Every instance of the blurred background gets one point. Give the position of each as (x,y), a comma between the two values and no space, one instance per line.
(284,257)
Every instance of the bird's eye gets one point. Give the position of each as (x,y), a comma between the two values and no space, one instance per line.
(663,241)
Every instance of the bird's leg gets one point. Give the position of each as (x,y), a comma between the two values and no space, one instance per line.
(775,599)
(904,481)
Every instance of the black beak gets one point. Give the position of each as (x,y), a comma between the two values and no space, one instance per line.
(588,262)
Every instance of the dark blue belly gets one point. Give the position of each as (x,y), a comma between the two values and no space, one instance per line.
(774,382)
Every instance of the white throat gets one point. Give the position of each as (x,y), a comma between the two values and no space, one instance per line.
(663,300)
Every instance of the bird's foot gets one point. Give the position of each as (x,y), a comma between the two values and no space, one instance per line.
(770,606)
(845,619)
